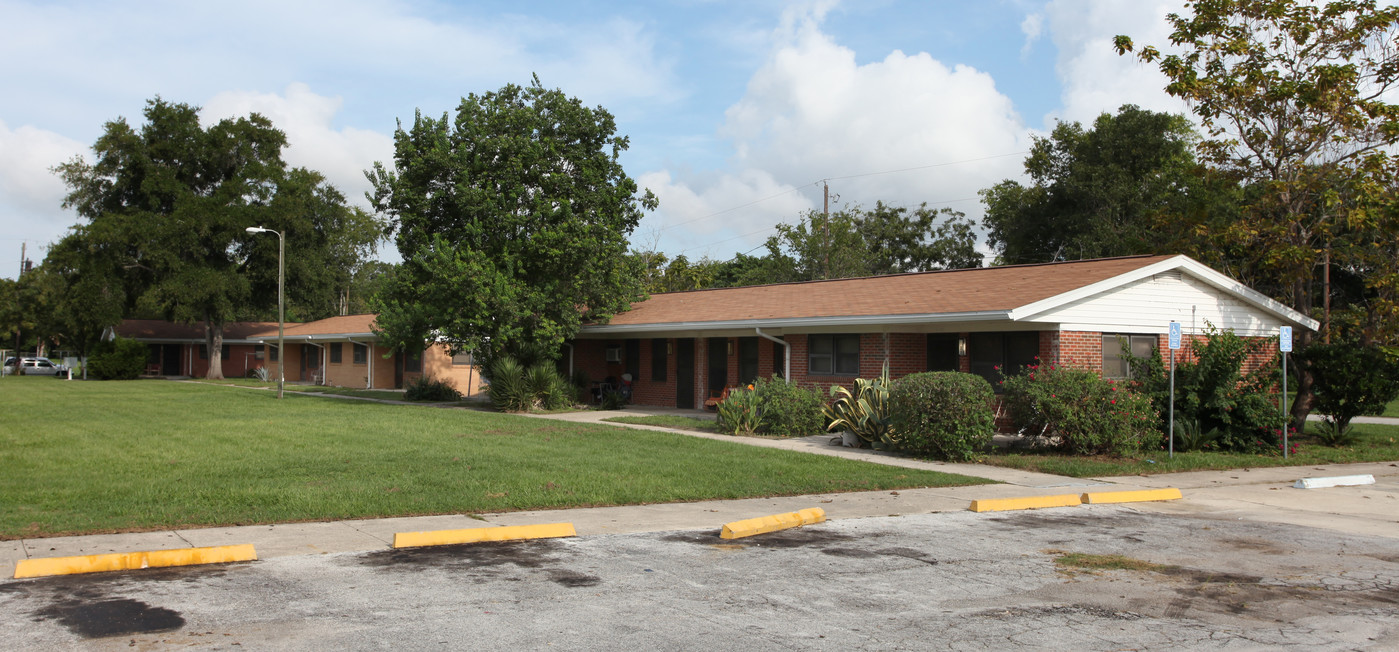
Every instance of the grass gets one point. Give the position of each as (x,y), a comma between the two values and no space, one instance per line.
(670,421)
(1091,564)
(1377,443)
(383,394)
(92,457)
(1391,409)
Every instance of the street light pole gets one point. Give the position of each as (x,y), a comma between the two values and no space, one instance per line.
(281,304)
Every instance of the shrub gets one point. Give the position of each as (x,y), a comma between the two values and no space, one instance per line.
(513,388)
(119,359)
(1214,391)
(787,410)
(1085,414)
(739,413)
(1351,380)
(423,388)
(613,400)
(943,414)
(582,386)
(865,412)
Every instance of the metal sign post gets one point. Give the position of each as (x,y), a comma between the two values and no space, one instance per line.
(1284,347)
(1173,340)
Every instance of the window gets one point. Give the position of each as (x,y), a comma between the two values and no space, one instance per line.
(463,359)
(833,355)
(272,352)
(204,352)
(747,360)
(334,352)
(659,358)
(257,354)
(361,353)
(1009,351)
(1115,364)
(413,362)
(224,352)
(942,352)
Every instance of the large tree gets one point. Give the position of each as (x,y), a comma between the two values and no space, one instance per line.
(860,242)
(512,220)
(166,208)
(1097,192)
(1293,97)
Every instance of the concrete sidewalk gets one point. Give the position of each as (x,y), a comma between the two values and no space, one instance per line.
(1256,494)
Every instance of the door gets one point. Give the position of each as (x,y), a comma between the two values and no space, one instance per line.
(718,368)
(685,373)
(747,360)
(170,359)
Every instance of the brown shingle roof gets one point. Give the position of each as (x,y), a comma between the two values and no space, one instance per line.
(159,329)
(923,293)
(342,325)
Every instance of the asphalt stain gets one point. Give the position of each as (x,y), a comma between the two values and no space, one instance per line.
(573,579)
(1059,610)
(521,554)
(111,617)
(793,538)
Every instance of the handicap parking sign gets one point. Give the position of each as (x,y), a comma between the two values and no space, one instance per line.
(1175,336)
(1285,339)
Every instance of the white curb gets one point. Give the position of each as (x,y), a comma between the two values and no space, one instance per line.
(1335,481)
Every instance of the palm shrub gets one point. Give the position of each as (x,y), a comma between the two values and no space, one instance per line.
(787,409)
(1352,379)
(1081,412)
(739,413)
(864,412)
(509,389)
(943,414)
(547,388)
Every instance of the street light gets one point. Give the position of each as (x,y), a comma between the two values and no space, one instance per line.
(281,314)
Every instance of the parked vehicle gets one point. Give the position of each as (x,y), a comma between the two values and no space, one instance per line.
(36,367)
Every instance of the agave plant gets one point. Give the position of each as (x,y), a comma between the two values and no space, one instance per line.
(864,412)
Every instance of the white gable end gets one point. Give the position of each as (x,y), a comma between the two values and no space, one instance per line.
(1149,304)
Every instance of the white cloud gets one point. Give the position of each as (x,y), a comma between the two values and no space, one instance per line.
(1031,27)
(30,194)
(811,113)
(1094,78)
(313,141)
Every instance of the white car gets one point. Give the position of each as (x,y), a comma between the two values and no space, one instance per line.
(36,367)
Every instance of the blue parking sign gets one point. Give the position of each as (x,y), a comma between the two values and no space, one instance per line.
(1175,336)
(1285,339)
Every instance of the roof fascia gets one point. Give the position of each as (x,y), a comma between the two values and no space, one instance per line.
(1183,263)
(810,322)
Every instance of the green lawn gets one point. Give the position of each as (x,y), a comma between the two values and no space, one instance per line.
(668,421)
(385,394)
(83,457)
(1378,443)
(1392,409)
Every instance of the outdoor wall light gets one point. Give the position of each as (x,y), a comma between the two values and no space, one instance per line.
(731,347)
(962,345)
(668,349)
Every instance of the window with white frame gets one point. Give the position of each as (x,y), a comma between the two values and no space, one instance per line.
(1116,364)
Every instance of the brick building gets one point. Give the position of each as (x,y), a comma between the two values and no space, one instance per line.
(180,350)
(683,347)
(344,352)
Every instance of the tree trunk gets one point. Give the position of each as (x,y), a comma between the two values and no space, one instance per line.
(213,335)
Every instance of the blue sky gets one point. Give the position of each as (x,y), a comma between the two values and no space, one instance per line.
(735,110)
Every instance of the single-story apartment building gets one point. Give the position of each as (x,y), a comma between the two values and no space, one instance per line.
(344,352)
(681,348)
(180,349)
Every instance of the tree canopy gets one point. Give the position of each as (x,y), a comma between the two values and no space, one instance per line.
(1101,191)
(1293,97)
(512,220)
(166,206)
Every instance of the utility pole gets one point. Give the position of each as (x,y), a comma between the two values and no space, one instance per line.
(826,228)
(1326,297)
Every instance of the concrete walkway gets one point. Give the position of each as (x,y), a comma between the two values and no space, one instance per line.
(1250,494)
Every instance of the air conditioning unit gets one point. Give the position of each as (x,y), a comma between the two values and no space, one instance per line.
(614,354)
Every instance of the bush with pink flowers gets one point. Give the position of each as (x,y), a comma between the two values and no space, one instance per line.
(1081,412)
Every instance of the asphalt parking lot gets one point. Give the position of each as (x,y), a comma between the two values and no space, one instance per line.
(953,580)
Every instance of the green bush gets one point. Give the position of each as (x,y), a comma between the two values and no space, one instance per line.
(1084,413)
(514,388)
(1215,393)
(864,412)
(432,390)
(739,413)
(1351,380)
(612,400)
(943,414)
(788,410)
(119,359)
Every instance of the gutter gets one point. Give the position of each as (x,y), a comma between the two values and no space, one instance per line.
(369,359)
(786,354)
